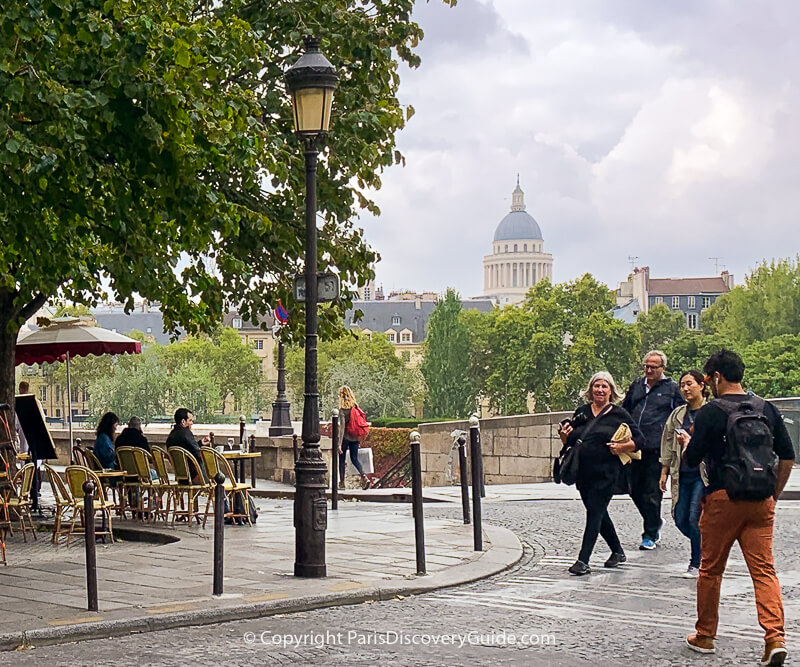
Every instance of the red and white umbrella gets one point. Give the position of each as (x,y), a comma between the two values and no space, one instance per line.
(70,337)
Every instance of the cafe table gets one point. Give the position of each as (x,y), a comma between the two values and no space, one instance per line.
(238,458)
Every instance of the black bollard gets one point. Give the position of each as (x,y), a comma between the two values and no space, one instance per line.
(91,554)
(241,428)
(219,531)
(335,460)
(477,476)
(416,499)
(252,448)
(294,447)
(211,438)
(462,473)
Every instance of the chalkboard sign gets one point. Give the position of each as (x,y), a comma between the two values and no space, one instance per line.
(31,418)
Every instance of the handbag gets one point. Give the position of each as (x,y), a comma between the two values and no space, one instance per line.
(565,466)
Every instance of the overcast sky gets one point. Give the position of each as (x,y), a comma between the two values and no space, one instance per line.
(669,131)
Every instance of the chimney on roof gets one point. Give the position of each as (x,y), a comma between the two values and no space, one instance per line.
(727,278)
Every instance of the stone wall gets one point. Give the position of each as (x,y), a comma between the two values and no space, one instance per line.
(276,462)
(516,450)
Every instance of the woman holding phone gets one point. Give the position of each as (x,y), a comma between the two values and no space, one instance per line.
(687,483)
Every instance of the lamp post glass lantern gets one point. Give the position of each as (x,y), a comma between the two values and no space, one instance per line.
(311,82)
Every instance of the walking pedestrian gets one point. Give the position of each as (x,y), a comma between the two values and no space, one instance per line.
(350,431)
(687,481)
(600,470)
(748,457)
(650,400)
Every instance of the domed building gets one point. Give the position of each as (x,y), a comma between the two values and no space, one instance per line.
(518,260)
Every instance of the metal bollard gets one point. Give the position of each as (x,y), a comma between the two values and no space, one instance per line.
(211,438)
(241,428)
(252,448)
(416,499)
(91,553)
(477,476)
(462,473)
(219,530)
(335,459)
(294,447)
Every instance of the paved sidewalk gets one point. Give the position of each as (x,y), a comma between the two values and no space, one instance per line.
(147,586)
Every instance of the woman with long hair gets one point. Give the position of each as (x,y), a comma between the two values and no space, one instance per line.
(600,469)
(104,442)
(348,442)
(687,482)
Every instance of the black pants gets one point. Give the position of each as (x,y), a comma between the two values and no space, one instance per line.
(598,522)
(646,492)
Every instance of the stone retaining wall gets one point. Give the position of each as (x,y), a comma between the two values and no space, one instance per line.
(516,450)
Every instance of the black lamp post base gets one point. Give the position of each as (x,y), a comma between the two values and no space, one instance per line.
(281,422)
(310,514)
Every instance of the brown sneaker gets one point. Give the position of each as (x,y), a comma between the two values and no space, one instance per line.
(774,654)
(701,644)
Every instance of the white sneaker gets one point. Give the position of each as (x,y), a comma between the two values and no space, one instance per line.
(691,573)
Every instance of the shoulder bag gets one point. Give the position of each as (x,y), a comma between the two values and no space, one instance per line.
(565,466)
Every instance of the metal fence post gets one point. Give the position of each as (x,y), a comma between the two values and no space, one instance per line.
(219,531)
(477,477)
(416,498)
(91,553)
(462,473)
(335,459)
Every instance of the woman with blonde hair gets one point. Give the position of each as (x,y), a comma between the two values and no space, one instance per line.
(347,442)
(600,469)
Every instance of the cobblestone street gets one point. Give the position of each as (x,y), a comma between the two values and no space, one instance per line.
(636,615)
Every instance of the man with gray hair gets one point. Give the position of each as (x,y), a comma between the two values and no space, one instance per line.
(650,400)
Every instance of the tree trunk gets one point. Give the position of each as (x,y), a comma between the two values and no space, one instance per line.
(8,348)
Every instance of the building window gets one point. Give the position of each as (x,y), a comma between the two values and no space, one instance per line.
(406,338)
(691,302)
(237,323)
(659,299)
(515,247)
(525,247)
(43,393)
(84,395)
(258,344)
(58,413)
(676,302)
(149,330)
(395,320)
(392,337)
(706,301)
(506,247)
(691,320)
(366,294)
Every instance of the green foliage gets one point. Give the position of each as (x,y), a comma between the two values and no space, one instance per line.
(659,327)
(392,442)
(368,365)
(147,149)
(445,350)
(767,305)
(773,366)
(394,422)
(691,349)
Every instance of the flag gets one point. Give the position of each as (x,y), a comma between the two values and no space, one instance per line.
(281,314)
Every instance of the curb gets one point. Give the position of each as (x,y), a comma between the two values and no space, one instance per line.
(363,496)
(505,552)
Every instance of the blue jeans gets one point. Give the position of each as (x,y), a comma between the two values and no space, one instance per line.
(352,447)
(687,512)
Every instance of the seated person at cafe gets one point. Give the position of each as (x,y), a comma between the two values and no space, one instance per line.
(132,435)
(104,442)
(181,436)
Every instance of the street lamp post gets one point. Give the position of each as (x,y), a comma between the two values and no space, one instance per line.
(311,82)
(281,422)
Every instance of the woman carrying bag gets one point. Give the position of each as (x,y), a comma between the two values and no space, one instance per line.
(352,428)
(600,469)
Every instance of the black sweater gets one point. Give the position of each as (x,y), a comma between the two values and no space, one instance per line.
(598,468)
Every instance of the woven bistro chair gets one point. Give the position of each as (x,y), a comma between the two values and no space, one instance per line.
(19,501)
(76,476)
(166,486)
(130,496)
(144,467)
(216,462)
(63,499)
(182,463)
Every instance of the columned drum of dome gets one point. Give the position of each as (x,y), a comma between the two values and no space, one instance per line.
(518,260)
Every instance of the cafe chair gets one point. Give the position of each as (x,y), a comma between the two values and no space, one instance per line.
(63,499)
(185,487)
(19,501)
(216,462)
(76,476)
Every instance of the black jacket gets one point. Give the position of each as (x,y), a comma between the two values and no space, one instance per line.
(184,438)
(132,437)
(651,409)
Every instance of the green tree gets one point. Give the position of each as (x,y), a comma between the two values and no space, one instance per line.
(691,349)
(446,351)
(772,367)
(767,305)
(658,327)
(147,149)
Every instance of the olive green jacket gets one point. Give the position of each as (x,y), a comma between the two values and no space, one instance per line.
(671,450)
